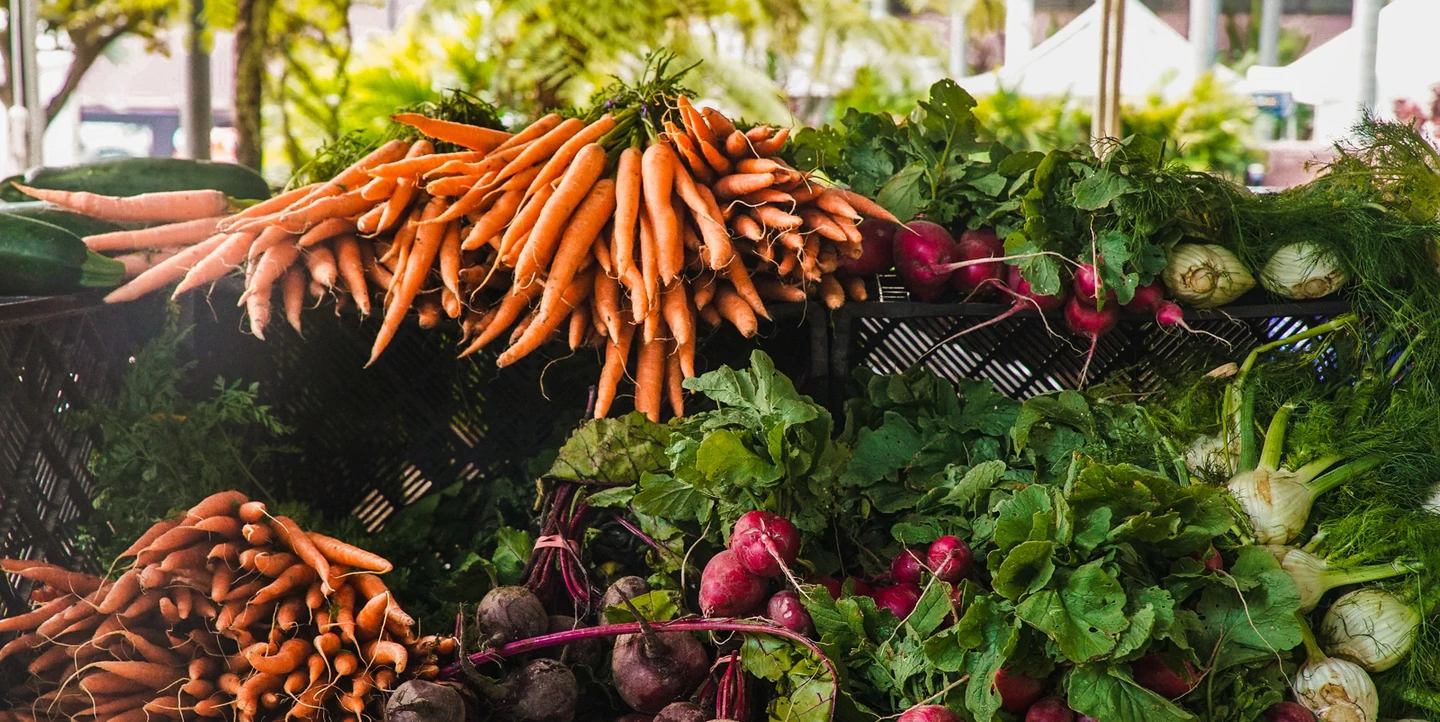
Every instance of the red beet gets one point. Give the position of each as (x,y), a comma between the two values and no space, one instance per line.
(1050,709)
(1017,283)
(1017,691)
(1153,672)
(1288,712)
(907,568)
(635,717)
(765,543)
(922,254)
(1147,297)
(1085,320)
(727,589)
(900,599)
(929,713)
(788,610)
(649,675)
(972,246)
(877,244)
(949,559)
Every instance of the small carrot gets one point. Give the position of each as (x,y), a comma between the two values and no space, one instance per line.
(292,295)
(747,227)
(649,267)
(734,186)
(155,531)
(464,135)
(291,535)
(864,205)
(167,236)
(772,289)
(390,654)
(481,197)
(855,288)
(164,207)
(31,620)
(737,146)
(167,271)
(716,158)
(771,145)
(578,291)
(650,378)
(450,258)
(691,154)
(154,676)
(126,588)
(338,552)
(717,239)
(488,228)
(580,318)
(617,352)
(371,618)
(674,378)
(427,247)
(772,217)
(574,188)
(378,189)
(542,125)
(416,163)
(269,269)
(290,656)
(513,242)
(657,170)
(544,146)
(324,231)
(509,311)
(831,291)
(675,305)
(452,186)
(627,208)
(737,311)
(267,207)
(703,289)
(639,300)
(694,123)
(358,174)
(607,305)
(831,201)
(719,124)
(247,702)
(575,244)
(352,269)
(320,264)
(306,217)
(555,167)
(63,579)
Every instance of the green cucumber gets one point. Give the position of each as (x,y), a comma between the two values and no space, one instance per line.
(41,259)
(133,176)
(76,223)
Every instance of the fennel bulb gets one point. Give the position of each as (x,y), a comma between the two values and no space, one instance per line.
(1314,576)
(1337,691)
(1433,505)
(1205,276)
(1302,270)
(1210,453)
(1370,627)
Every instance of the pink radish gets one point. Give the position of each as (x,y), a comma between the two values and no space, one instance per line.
(862,588)
(973,246)
(949,559)
(877,248)
(1050,709)
(832,585)
(727,589)
(922,252)
(1087,283)
(765,543)
(907,567)
(1017,691)
(1147,297)
(1153,672)
(1288,712)
(900,599)
(1086,320)
(929,713)
(1213,561)
(1017,283)
(787,610)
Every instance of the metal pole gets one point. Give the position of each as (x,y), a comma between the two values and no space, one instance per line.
(1019,30)
(1270,31)
(959,34)
(1204,19)
(1098,123)
(25,83)
(196,113)
(1366,22)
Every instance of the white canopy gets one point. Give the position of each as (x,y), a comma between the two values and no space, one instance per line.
(1155,58)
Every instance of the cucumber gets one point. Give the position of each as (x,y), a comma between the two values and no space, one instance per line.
(133,176)
(41,259)
(76,223)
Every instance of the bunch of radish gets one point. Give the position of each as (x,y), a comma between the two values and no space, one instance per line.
(225,612)
(762,546)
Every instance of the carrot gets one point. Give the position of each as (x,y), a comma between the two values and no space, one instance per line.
(544,146)
(771,145)
(73,582)
(674,377)
(462,134)
(542,125)
(717,239)
(693,121)
(347,257)
(371,618)
(556,166)
(513,242)
(357,174)
(338,552)
(580,318)
(269,269)
(155,531)
(290,534)
(320,264)
(416,164)
(269,206)
(747,227)
(740,278)
(627,208)
(110,684)
(325,230)
(31,620)
(427,245)
(740,184)
(578,291)
(607,305)
(766,195)
(855,288)
(617,352)
(690,154)
(719,124)
(188,558)
(164,207)
(820,222)
(291,579)
(167,236)
(759,165)
(675,305)
(833,202)
(273,564)
(657,171)
(864,205)
(290,656)
(247,702)
(509,310)
(772,289)
(222,259)
(600,248)
(292,294)
(650,378)
(378,189)
(346,664)
(574,188)
(124,591)
(831,291)
(488,228)
(649,267)
(737,145)
(772,217)
(737,311)
(574,250)
(171,269)
(376,652)
(154,676)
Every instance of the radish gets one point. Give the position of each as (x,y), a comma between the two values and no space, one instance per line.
(922,252)
(727,589)
(832,585)
(1085,320)
(1288,712)
(877,248)
(900,599)
(949,559)
(764,543)
(1213,561)
(972,246)
(907,567)
(1017,691)
(1017,283)
(1147,297)
(787,610)
(1087,282)
(1153,672)
(652,670)
(1050,709)
(929,713)
(862,588)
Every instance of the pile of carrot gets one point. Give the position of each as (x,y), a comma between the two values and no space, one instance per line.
(621,233)
(225,612)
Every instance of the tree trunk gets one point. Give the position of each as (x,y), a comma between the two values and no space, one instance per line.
(85,57)
(252,28)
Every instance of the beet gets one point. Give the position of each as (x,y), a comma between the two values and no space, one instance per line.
(922,252)
(877,248)
(1147,297)
(900,599)
(727,589)
(929,713)
(1153,672)
(1017,283)
(509,614)
(764,543)
(788,610)
(1288,712)
(635,717)
(975,245)
(544,690)
(589,652)
(907,567)
(650,675)
(419,701)
(1017,691)
(682,712)
(949,559)
(622,589)
(1050,709)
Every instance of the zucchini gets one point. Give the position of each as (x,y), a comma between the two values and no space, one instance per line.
(41,259)
(133,176)
(80,225)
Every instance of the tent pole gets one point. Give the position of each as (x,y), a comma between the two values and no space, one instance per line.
(1102,98)
(27,116)
(195,113)
(1204,19)
(959,34)
(1019,30)
(1367,29)
(1117,47)
(1270,31)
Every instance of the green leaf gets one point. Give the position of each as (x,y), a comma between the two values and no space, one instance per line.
(512,550)
(973,484)
(724,458)
(664,497)
(1085,617)
(902,194)
(1100,189)
(997,635)
(1018,516)
(1109,693)
(1026,570)
(656,606)
(1152,613)
(932,609)
(883,450)
(612,450)
(1251,615)
(619,497)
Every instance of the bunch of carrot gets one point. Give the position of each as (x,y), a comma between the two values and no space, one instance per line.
(225,612)
(621,232)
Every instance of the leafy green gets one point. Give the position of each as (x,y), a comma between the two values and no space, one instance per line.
(613,451)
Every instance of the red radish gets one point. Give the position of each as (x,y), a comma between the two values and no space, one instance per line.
(1023,298)
(877,244)
(832,585)
(907,567)
(900,599)
(1086,282)
(1288,712)
(922,254)
(949,559)
(764,543)
(1085,320)
(1086,718)
(787,610)
(1153,672)
(1017,283)
(1050,709)
(1213,561)
(1017,691)
(929,713)
(973,246)
(1147,297)
(727,589)
(862,588)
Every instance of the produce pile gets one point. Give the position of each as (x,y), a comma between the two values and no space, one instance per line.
(225,612)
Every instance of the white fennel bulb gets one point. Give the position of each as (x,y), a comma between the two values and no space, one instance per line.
(1212,454)
(1205,275)
(1314,576)
(1337,691)
(1302,270)
(1370,627)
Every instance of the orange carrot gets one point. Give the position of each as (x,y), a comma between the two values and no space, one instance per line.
(452,186)
(772,145)
(352,269)
(555,167)
(759,165)
(223,258)
(737,145)
(290,534)
(717,239)
(739,184)
(607,305)
(247,703)
(142,261)
(657,170)
(600,248)
(691,155)
(296,577)
(464,135)
(320,264)
(650,378)
(772,289)
(167,236)
(737,311)
(674,377)
(338,552)
(290,656)
(544,124)
(358,174)
(164,207)
(864,205)
(273,564)
(166,271)
(371,618)
(378,189)
(574,187)
(419,160)
(481,196)
(719,124)
(305,217)
(634,280)
(649,266)
(543,147)
(488,228)
(390,654)
(617,352)
(589,218)
(747,227)
(325,230)
(73,582)
(268,270)
(539,331)
(693,122)
(126,588)
(450,258)
(219,504)
(513,242)
(675,305)
(772,217)
(855,288)
(33,619)
(427,247)
(627,208)
(154,676)
(716,158)
(766,195)
(267,207)
(831,201)
(703,289)
(579,321)
(509,310)
(740,278)
(831,291)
